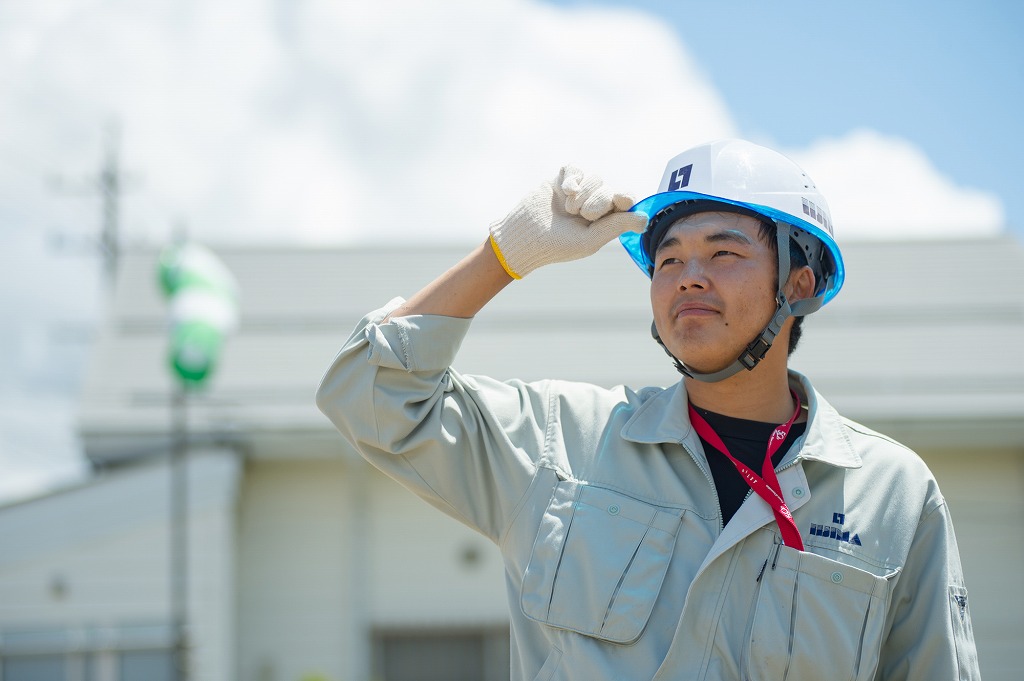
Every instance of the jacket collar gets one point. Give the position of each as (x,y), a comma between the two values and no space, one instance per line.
(663,418)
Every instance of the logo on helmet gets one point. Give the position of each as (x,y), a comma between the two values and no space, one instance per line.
(817,214)
(680,178)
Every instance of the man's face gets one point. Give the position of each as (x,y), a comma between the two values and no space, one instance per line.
(713,288)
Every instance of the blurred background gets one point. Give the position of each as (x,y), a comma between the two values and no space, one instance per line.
(318,143)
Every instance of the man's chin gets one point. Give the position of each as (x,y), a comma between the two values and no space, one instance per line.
(703,355)
(706,368)
(704,365)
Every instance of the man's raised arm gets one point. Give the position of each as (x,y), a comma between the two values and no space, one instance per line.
(566,219)
(463,290)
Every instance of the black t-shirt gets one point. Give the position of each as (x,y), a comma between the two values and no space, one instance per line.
(748,442)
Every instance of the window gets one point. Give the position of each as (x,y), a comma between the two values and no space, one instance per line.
(147,665)
(35,668)
(73,667)
(137,652)
(442,655)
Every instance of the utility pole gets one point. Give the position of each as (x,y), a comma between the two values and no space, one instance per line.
(203,309)
(110,192)
(179,554)
(109,183)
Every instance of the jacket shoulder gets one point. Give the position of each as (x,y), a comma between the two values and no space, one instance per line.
(888,461)
(861,434)
(592,399)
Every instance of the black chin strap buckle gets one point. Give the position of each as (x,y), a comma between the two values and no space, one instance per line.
(760,346)
(756,351)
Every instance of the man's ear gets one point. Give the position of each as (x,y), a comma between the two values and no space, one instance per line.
(800,285)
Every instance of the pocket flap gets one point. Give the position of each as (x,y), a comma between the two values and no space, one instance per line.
(598,562)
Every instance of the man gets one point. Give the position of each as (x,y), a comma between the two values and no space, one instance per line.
(732,526)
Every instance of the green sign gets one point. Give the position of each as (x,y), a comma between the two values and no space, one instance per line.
(203,298)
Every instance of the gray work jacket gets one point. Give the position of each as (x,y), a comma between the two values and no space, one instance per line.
(617,564)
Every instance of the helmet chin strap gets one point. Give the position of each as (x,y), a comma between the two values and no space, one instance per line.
(759,347)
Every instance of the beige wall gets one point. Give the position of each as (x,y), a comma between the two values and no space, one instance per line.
(428,569)
(295,615)
(985,493)
(330,551)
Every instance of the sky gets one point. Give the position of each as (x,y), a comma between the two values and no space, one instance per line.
(946,77)
(305,122)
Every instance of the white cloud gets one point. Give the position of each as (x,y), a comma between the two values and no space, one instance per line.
(347,121)
(883,187)
(38,441)
(49,302)
(450,112)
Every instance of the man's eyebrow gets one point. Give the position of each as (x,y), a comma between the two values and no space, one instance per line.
(667,243)
(733,235)
(730,235)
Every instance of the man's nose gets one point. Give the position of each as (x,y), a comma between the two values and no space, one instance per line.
(692,275)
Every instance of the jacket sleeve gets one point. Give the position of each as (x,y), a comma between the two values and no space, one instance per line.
(930,633)
(465,444)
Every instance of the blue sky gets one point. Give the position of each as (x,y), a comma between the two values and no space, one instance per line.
(947,76)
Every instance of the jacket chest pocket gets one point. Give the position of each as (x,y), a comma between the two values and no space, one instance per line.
(816,618)
(598,562)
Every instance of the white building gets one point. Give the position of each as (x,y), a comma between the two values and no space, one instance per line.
(304,563)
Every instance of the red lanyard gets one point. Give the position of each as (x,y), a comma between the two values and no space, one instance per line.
(767,484)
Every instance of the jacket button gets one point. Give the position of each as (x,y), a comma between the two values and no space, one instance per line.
(837,577)
(613,509)
(798,492)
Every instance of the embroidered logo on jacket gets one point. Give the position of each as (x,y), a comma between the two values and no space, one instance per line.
(833,532)
(961,604)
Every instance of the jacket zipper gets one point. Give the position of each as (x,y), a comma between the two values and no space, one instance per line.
(711,483)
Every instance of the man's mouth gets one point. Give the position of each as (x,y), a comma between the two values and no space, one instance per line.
(693,309)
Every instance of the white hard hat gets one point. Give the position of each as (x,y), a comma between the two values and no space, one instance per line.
(740,176)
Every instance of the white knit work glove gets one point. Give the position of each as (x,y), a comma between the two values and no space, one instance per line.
(567,219)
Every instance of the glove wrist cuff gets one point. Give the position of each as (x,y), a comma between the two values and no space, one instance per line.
(501,259)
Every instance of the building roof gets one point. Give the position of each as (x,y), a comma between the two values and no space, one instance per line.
(922,342)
